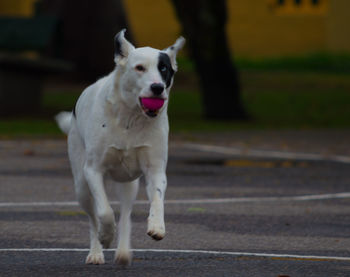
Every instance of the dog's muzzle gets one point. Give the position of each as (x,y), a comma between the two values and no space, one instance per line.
(151,105)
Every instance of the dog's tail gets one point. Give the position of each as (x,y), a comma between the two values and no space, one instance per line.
(63,120)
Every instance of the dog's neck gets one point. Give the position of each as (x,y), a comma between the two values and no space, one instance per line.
(129,118)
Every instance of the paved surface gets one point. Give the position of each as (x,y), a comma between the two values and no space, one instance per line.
(254,229)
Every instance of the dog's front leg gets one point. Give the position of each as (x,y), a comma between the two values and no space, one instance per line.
(156,186)
(105,215)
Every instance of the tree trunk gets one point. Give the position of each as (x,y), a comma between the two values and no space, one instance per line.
(88,30)
(203,23)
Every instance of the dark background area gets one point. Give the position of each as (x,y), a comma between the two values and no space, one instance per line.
(50,55)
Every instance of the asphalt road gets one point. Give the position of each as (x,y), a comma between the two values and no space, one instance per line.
(227,215)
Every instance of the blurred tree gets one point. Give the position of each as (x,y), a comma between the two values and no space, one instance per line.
(203,23)
(87,31)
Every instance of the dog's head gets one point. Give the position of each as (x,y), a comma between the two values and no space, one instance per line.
(146,74)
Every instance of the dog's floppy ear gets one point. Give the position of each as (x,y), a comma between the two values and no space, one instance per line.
(122,47)
(173,49)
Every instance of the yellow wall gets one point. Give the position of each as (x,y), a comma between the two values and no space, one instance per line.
(153,22)
(17,7)
(256,28)
(338,34)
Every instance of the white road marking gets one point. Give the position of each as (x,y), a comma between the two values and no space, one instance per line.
(38,204)
(265,153)
(261,199)
(184,251)
(341,195)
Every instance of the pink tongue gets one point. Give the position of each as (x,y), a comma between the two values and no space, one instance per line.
(152,103)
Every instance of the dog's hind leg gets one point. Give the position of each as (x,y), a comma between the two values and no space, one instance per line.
(95,255)
(77,159)
(128,192)
(103,210)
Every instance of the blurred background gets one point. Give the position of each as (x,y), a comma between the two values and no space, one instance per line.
(248,64)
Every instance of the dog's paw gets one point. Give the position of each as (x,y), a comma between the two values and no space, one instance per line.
(123,258)
(95,258)
(156,230)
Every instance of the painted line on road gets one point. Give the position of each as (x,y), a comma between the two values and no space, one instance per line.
(264,153)
(341,195)
(206,252)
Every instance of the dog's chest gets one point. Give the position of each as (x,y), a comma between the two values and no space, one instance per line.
(122,165)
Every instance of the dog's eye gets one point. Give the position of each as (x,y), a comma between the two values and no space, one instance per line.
(163,68)
(140,68)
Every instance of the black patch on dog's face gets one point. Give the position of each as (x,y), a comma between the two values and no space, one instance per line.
(165,68)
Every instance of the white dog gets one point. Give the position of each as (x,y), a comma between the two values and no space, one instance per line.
(119,128)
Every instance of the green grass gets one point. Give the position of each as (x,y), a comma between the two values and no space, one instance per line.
(27,127)
(42,124)
(312,62)
(303,109)
(268,109)
(57,101)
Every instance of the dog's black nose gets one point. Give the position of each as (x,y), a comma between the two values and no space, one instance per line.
(157,88)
